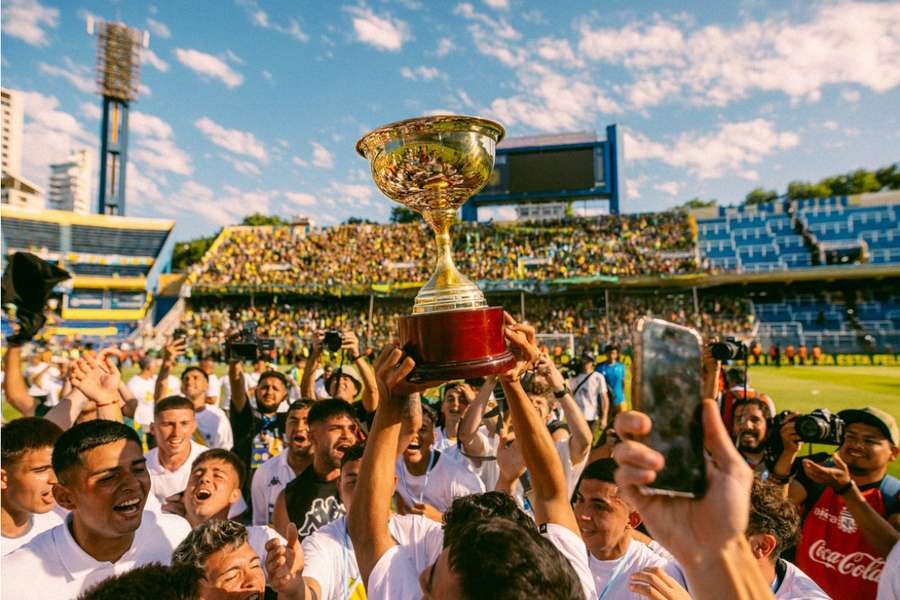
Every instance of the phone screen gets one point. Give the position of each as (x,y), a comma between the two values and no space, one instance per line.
(667,386)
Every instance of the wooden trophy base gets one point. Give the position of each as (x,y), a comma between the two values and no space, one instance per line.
(456,344)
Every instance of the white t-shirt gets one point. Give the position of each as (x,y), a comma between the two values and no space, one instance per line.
(143,390)
(268,480)
(215,386)
(613,576)
(445,480)
(572,471)
(39,524)
(54,566)
(226,390)
(164,483)
(396,574)
(487,470)
(589,394)
(330,560)
(889,584)
(259,535)
(173,386)
(797,585)
(215,427)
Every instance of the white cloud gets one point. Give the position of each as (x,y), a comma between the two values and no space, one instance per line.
(493,37)
(300,199)
(52,134)
(143,191)
(851,95)
(299,161)
(353,193)
(91,110)
(842,43)
(831,125)
(731,149)
(208,65)
(155,147)
(26,19)
(267,75)
(151,58)
(233,140)
(158,28)
(322,158)
(498,4)
(669,187)
(422,73)
(148,125)
(78,75)
(242,166)
(558,50)
(260,18)
(445,46)
(382,32)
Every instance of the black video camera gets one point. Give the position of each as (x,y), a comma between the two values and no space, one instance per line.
(246,344)
(333,341)
(729,349)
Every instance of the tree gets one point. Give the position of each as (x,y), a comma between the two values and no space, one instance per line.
(760,196)
(258,220)
(358,221)
(401,214)
(889,177)
(798,190)
(189,253)
(699,203)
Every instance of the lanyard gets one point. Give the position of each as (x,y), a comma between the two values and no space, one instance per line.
(616,573)
(431,461)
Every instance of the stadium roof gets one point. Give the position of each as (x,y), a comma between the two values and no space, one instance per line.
(553,139)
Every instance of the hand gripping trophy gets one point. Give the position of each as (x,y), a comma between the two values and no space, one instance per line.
(433,165)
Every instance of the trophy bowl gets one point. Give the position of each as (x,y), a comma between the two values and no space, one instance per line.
(433,165)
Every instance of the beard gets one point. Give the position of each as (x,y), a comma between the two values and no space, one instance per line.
(753,444)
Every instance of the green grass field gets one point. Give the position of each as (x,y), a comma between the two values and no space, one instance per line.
(798,388)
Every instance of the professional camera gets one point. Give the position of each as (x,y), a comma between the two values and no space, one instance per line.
(729,349)
(333,340)
(818,427)
(246,344)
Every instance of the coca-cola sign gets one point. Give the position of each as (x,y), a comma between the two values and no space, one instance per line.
(855,564)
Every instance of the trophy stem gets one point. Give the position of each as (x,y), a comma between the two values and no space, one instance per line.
(448,289)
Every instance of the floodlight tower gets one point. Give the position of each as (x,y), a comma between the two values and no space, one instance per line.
(118,81)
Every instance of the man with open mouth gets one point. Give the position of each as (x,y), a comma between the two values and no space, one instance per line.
(312,499)
(169,464)
(102,481)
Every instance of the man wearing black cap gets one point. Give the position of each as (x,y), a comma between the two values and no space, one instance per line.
(852,507)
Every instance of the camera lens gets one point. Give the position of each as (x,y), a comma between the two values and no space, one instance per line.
(811,428)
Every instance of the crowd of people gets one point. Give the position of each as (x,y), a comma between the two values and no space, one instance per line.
(288,323)
(358,256)
(345,480)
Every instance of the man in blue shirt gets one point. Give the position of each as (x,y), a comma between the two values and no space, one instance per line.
(614,372)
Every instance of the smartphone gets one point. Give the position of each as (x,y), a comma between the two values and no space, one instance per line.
(179,334)
(667,386)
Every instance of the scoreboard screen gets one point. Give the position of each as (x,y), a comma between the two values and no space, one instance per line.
(545,171)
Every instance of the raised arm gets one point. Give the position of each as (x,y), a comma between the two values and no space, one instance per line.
(14,386)
(99,382)
(371,508)
(579,432)
(238,391)
(172,350)
(551,497)
(467,433)
(308,382)
(370,385)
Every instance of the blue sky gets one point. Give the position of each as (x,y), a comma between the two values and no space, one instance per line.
(250,106)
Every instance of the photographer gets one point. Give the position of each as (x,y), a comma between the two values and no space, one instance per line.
(851,506)
(344,383)
(751,426)
(590,393)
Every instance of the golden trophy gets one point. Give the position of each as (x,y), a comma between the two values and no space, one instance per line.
(433,165)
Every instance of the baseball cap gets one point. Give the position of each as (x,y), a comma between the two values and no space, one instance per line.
(876,418)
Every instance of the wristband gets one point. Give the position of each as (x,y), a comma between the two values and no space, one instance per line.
(560,394)
(780,479)
(844,488)
(355,357)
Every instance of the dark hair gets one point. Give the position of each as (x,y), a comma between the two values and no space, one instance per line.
(353,453)
(26,434)
(207,539)
(758,402)
(194,368)
(536,385)
(603,469)
(273,373)
(486,505)
(224,455)
(328,409)
(178,582)
(610,347)
(147,362)
(435,417)
(772,513)
(300,405)
(498,559)
(172,403)
(736,376)
(87,436)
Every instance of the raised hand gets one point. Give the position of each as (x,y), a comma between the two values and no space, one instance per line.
(834,477)
(656,584)
(520,339)
(174,348)
(350,342)
(391,370)
(97,380)
(284,562)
